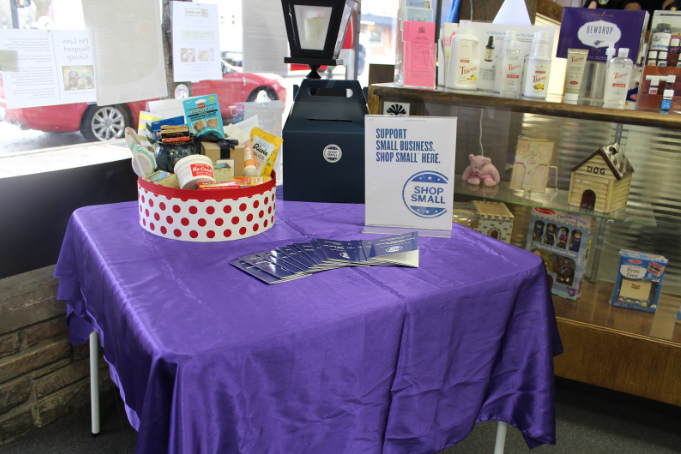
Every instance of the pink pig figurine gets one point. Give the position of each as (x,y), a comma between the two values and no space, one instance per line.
(482,171)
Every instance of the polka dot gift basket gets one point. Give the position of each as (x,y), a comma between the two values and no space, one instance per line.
(206,216)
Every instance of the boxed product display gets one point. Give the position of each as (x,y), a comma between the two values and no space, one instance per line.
(563,241)
(324,135)
(596,29)
(494,220)
(639,280)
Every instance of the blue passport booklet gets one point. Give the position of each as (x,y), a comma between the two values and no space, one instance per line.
(256,272)
(275,270)
(298,260)
(335,252)
(399,250)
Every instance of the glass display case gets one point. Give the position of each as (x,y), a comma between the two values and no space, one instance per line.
(614,347)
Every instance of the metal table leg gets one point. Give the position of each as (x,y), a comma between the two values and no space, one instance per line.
(501,437)
(94,382)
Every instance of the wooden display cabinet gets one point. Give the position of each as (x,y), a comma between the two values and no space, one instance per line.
(616,348)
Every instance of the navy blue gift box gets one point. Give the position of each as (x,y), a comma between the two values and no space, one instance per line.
(323,154)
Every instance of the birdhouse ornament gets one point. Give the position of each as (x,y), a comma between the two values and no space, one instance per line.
(602,180)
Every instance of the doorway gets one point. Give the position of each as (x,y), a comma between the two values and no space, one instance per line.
(588,200)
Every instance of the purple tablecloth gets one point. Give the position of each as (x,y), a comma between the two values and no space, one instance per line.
(355,360)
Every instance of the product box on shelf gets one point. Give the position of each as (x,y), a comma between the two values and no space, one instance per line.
(596,29)
(494,220)
(639,280)
(563,241)
(324,136)
(213,151)
(206,216)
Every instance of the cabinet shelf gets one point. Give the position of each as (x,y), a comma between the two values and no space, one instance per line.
(633,213)
(585,109)
(617,348)
(594,308)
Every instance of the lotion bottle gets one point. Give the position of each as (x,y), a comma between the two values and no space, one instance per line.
(617,80)
(512,70)
(464,61)
(538,67)
(510,36)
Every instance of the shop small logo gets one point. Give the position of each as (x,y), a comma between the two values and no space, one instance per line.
(424,194)
(394,249)
(332,153)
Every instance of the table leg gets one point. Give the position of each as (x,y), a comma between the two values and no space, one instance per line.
(501,437)
(94,382)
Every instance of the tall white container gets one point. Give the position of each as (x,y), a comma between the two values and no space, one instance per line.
(510,36)
(464,61)
(512,70)
(538,68)
(617,80)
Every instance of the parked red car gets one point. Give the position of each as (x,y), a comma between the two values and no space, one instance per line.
(108,122)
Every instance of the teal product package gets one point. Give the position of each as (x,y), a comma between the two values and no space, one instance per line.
(203,112)
(639,281)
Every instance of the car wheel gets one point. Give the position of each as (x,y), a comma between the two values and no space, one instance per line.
(262,94)
(101,123)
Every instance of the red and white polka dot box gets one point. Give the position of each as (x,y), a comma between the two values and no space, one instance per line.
(206,216)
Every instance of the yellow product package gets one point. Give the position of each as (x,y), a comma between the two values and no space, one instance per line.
(265,150)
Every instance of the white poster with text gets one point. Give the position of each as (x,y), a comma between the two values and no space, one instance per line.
(196,42)
(409,174)
(47,68)
(129,64)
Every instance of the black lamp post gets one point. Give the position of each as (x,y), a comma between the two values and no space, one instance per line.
(313,28)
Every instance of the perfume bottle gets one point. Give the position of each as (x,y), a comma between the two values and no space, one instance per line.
(512,70)
(489,49)
(617,80)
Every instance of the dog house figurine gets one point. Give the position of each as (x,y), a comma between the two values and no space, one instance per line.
(601,181)
(495,220)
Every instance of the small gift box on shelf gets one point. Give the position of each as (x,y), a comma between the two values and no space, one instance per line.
(639,280)
(206,216)
(563,241)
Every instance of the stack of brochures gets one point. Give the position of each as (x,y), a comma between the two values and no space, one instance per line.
(303,259)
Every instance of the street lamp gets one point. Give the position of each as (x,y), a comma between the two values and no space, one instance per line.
(313,28)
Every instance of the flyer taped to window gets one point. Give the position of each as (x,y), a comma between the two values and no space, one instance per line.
(41,68)
(409,177)
(196,42)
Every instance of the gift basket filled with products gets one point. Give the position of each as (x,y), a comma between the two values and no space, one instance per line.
(200,181)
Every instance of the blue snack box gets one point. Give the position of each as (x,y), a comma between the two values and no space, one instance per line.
(639,281)
(563,241)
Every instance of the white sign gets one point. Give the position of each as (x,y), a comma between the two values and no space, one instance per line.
(265,43)
(409,173)
(196,42)
(129,61)
(48,68)
(599,33)
(396,108)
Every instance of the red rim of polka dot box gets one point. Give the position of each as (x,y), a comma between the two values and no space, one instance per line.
(206,216)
